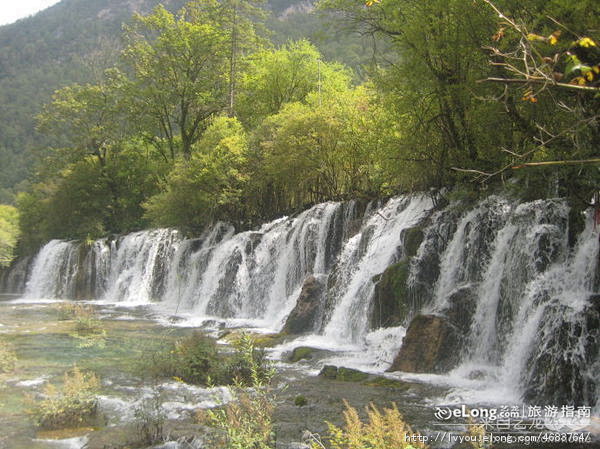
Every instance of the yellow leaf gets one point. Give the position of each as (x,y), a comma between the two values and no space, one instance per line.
(586,42)
(535,37)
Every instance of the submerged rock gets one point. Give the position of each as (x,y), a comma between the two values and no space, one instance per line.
(302,319)
(343,374)
(431,345)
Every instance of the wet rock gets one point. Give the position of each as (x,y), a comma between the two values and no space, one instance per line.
(253,241)
(431,345)
(329,372)
(343,374)
(302,319)
(411,239)
(301,353)
(129,435)
(558,371)
(461,307)
(83,288)
(390,306)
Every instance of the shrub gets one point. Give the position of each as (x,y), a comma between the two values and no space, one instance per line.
(8,358)
(381,431)
(300,401)
(195,359)
(73,405)
(150,421)
(192,359)
(88,326)
(247,421)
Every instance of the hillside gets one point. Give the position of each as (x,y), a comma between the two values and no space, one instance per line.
(63,44)
(74,40)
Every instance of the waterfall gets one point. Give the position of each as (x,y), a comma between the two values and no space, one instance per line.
(53,272)
(524,301)
(503,274)
(365,255)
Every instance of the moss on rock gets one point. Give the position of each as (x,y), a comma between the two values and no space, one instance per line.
(390,299)
(301,353)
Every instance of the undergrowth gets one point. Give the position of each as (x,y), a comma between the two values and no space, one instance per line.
(88,326)
(382,430)
(195,359)
(8,358)
(246,422)
(72,405)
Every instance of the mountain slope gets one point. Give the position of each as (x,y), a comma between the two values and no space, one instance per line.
(74,40)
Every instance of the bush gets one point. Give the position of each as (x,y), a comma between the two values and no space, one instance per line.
(8,358)
(195,359)
(192,359)
(247,421)
(73,405)
(150,420)
(381,431)
(88,326)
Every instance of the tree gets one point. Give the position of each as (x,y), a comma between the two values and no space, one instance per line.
(240,21)
(286,75)
(88,117)
(209,185)
(328,148)
(9,232)
(177,76)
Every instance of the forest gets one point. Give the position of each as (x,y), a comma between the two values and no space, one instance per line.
(201,118)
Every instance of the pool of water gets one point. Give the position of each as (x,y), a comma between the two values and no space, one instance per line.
(47,346)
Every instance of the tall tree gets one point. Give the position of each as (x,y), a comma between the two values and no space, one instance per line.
(241,22)
(288,74)
(176,70)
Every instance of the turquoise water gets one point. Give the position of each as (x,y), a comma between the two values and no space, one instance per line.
(47,345)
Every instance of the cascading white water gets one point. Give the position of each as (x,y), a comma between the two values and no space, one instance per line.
(504,270)
(366,255)
(138,263)
(53,271)
(525,309)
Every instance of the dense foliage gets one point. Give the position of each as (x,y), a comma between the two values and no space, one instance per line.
(9,233)
(75,40)
(194,124)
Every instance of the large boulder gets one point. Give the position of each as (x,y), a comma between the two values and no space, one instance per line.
(304,316)
(560,370)
(390,306)
(411,240)
(431,345)
(462,304)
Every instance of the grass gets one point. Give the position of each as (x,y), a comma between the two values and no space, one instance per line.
(382,430)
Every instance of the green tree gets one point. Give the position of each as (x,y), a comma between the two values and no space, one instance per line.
(9,233)
(241,22)
(209,185)
(289,74)
(332,147)
(177,76)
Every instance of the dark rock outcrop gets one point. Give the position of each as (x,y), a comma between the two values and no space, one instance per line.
(555,370)
(431,345)
(303,318)
(411,240)
(462,304)
(343,374)
(390,306)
